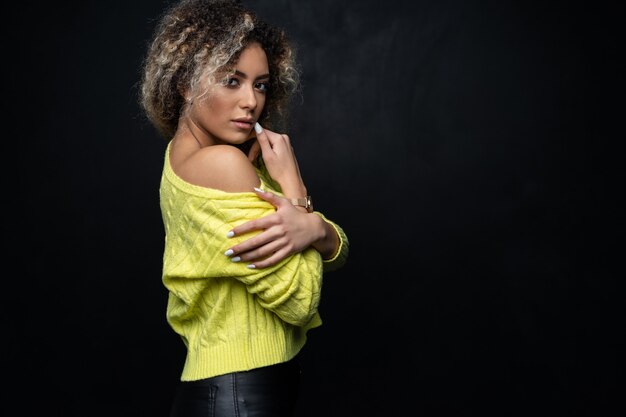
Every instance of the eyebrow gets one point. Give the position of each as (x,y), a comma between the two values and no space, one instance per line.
(243,75)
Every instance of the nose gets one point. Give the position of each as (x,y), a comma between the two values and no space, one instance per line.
(248,98)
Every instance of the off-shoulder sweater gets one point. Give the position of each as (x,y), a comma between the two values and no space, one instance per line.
(232,318)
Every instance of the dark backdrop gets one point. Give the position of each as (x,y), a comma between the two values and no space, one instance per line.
(472,151)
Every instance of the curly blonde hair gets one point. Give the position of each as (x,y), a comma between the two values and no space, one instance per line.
(200,40)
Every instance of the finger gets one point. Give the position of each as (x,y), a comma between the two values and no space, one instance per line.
(279,142)
(272,260)
(254,151)
(267,235)
(262,223)
(271,198)
(263,139)
(260,253)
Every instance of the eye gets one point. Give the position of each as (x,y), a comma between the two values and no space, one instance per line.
(262,86)
(231,82)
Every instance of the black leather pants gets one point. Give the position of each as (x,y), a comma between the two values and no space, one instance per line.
(264,392)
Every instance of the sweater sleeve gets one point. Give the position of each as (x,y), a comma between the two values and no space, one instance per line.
(194,251)
(341,255)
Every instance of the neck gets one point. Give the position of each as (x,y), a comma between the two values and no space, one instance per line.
(186,128)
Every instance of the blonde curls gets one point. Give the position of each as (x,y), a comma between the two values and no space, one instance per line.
(197,40)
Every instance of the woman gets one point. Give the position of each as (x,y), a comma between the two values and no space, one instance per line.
(244,251)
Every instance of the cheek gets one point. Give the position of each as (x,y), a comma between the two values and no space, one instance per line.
(261,103)
(211,109)
(204,113)
(218,99)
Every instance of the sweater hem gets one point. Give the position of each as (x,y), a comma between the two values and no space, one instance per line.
(236,357)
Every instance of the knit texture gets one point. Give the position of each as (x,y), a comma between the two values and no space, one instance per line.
(232,318)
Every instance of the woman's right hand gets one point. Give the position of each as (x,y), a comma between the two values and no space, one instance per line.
(282,234)
(280,160)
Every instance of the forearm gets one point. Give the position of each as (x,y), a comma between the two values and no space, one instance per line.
(293,189)
(328,242)
(293,291)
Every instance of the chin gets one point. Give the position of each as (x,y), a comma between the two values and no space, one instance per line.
(236,139)
(240,141)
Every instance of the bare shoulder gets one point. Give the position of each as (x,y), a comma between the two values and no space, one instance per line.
(223,167)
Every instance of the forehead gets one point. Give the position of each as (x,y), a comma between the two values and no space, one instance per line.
(252,59)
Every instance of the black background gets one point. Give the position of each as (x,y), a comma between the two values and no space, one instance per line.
(471,150)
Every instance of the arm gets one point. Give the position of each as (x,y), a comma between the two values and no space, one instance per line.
(291,229)
(197,222)
(290,288)
(198,219)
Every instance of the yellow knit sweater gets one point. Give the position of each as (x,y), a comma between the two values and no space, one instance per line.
(230,317)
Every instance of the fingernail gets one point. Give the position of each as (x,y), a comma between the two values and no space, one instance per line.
(258,190)
(230,234)
(235,259)
(258,128)
(229,252)
(251,266)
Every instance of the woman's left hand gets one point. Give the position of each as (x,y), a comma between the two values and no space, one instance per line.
(280,160)
(284,232)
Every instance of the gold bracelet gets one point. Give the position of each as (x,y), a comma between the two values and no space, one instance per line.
(306,202)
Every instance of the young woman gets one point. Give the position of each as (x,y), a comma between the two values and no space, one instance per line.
(244,249)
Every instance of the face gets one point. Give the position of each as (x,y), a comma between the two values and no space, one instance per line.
(228,113)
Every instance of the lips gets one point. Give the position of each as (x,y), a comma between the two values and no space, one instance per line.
(244,122)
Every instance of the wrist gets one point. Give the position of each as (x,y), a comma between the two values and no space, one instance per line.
(305,203)
(327,241)
(320,229)
(293,189)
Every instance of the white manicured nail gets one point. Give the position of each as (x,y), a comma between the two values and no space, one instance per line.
(258,128)
(230,234)
(229,252)
(252,266)
(235,259)
(258,190)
